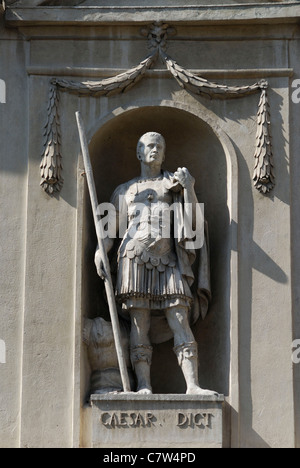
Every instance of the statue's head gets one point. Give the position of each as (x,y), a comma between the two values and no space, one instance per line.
(151,148)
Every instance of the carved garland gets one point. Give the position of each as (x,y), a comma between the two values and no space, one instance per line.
(51,165)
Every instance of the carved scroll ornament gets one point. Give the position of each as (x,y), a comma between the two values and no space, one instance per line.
(51,165)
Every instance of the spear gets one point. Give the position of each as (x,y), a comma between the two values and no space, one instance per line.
(100,237)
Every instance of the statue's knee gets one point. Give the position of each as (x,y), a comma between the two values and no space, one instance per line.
(178,319)
(186,351)
(141,353)
(140,318)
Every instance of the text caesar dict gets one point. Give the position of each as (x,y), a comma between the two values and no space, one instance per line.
(146,419)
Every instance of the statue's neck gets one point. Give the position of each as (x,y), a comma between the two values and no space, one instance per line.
(150,172)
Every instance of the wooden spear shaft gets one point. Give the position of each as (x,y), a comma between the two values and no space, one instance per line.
(100,237)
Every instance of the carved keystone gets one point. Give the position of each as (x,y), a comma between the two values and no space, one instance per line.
(157,34)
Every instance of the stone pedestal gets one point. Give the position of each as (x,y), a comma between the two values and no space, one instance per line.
(157,421)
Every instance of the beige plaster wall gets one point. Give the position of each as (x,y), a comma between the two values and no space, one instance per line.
(13,198)
(295,239)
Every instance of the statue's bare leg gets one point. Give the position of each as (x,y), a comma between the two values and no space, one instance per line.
(186,349)
(141,349)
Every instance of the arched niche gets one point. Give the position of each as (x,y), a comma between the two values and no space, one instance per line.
(196,141)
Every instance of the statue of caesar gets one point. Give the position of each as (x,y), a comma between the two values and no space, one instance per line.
(154,274)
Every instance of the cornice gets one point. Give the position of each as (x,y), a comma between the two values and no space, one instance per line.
(264,13)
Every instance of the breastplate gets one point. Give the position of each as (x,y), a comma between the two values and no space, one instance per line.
(148,238)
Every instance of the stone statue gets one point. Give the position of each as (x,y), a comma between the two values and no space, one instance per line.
(154,272)
(98,337)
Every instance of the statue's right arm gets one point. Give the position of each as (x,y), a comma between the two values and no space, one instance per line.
(116,200)
(99,264)
(108,244)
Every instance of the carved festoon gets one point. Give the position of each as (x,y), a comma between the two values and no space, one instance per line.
(157,35)
(51,164)
(264,179)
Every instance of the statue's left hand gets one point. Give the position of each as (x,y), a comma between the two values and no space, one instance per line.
(185,179)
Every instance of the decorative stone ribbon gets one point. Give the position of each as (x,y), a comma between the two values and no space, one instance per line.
(51,165)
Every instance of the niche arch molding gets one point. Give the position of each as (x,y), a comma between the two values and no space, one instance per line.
(140,113)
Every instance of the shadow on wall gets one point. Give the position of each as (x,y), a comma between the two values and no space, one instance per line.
(251,257)
(253,439)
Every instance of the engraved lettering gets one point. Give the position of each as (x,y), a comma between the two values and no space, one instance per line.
(135,420)
(104,419)
(201,420)
(207,419)
(182,419)
(123,420)
(114,420)
(149,419)
(139,420)
(133,416)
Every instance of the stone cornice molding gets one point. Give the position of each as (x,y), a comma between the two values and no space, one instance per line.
(159,73)
(264,13)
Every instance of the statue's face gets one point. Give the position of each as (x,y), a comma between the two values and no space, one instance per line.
(152,151)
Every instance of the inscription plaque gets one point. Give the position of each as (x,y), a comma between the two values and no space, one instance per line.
(157,421)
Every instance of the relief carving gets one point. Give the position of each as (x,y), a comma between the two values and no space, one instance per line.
(264,179)
(99,339)
(51,165)
(130,420)
(157,34)
(201,420)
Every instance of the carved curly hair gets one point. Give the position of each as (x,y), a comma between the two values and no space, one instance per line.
(143,137)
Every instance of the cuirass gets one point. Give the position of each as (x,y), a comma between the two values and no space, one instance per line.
(149,238)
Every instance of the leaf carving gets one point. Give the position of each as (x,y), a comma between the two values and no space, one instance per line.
(198,85)
(117,84)
(263,176)
(51,167)
(51,180)
(51,164)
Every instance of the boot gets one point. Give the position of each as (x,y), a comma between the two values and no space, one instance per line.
(187,355)
(141,357)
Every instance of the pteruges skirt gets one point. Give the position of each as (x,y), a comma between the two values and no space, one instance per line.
(144,285)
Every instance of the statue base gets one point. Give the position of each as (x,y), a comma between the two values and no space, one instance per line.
(157,421)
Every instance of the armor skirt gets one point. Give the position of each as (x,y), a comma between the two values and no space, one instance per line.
(155,286)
